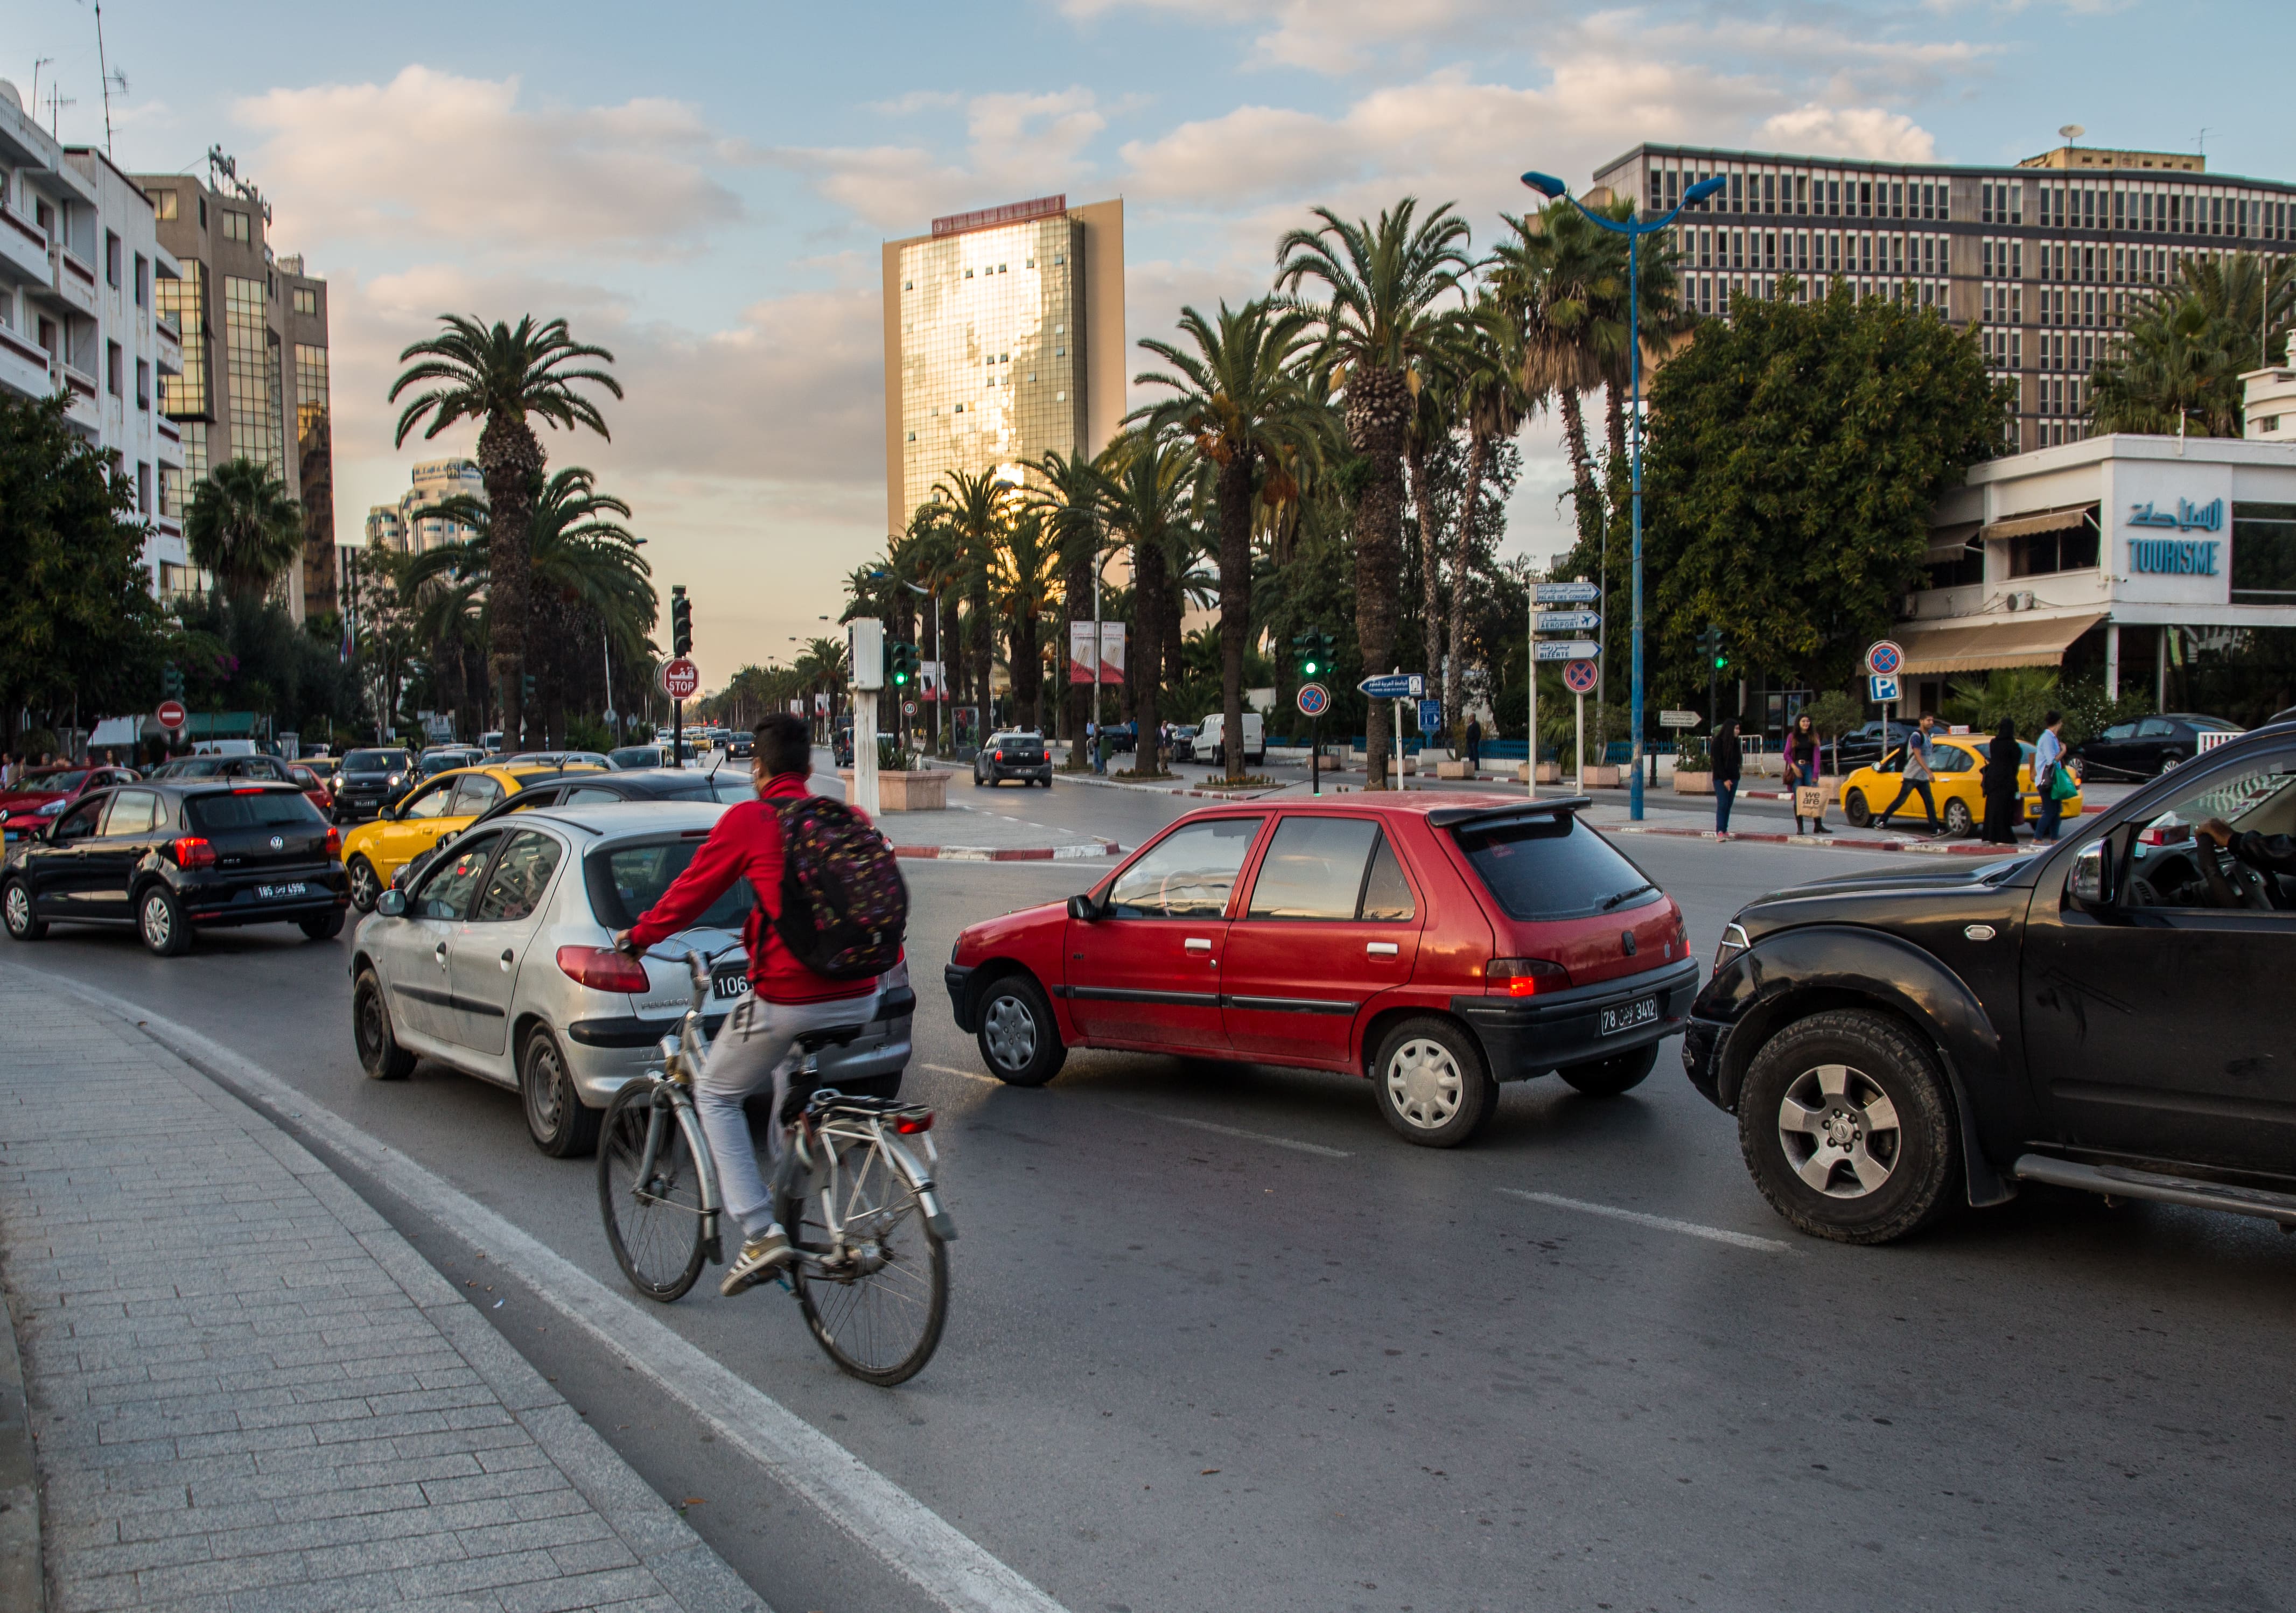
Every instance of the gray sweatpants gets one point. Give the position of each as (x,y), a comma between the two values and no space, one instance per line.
(752,1049)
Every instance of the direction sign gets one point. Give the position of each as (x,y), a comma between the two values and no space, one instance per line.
(172,715)
(1395,686)
(1566,593)
(1884,657)
(1882,690)
(1315,699)
(1569,650)
(681,679)
(1580,677)
(1566,621)
(1678,719)
(1431,715)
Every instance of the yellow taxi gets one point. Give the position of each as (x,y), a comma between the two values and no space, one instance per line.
(411,825)
(1954,762)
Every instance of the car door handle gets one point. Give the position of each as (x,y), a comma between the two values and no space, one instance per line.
(440,953)
(505,958)
(1379,949)
(1198,943)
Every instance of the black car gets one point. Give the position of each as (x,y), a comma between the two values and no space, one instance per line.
(1183,742)
(2149,746)
(2100,1017)
(369,780)
(725,784)
(1013,754)
(1865,746)
(168,858)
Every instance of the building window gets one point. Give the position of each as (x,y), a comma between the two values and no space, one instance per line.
(115,368)
(2263,551)
(144,383)
(2070,548)
(143,281)
(112,259)
(163,205)
(311,435)
(234,226)
(186,395)
(252,361)
(143,488)
(913,437)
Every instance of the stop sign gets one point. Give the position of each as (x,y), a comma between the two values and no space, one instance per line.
(681,679)
(171,713)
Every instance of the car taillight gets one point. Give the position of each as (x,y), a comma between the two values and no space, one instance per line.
(246,789)
(603,969)
(1524,976)
(192,851)
(334,847)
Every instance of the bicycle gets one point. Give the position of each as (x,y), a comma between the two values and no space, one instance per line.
(871,1269)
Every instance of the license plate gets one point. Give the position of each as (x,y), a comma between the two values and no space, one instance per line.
(1626,1016)
(272,893)
(727,984)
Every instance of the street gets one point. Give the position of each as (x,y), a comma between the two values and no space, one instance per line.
(1219,1339)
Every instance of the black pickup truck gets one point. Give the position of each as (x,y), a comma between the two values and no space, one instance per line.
(2113,1014)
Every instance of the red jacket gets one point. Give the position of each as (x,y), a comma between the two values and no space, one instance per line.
(746,843)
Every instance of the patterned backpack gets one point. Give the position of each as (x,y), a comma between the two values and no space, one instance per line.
(844,906)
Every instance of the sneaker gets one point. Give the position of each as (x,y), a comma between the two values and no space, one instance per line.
(761,1258)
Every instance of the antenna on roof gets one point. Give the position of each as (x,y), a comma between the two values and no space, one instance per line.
(108,77)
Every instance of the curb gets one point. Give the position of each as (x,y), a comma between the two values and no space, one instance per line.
(988,854)
(1924,847)
(23,1580)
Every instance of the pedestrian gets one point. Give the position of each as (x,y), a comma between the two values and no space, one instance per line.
(1999,779)
(1916,777)
(1802,761)
(2048,757)
(1727,756)
(1474,745)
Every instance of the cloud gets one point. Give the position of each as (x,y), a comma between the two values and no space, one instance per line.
(1327,36)
(1859,131)
(433,156)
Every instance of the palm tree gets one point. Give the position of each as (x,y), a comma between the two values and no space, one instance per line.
(1433,416)
(1382,282)
(503,375)
(244,527)
(2178,364)
(1069,501)
(1488,379)
(973,511)
(1026,570)
(1147,505)
(1237,396)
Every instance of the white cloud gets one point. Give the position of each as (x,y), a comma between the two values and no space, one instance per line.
(1858,131)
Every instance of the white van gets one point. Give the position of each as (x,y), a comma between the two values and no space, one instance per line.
(1209,747)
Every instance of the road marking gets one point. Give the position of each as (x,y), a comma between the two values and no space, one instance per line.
(969,1075)
(908,1537)
(1237,1131)
(1664,1224)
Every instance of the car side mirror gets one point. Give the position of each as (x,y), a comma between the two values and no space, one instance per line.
(2091,884)
(391,904)
(1081,906)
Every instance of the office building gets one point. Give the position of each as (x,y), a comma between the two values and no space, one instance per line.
(82,280)
(254,383)
(1004,341)
(404,528)
(2043,258)
(2268,404)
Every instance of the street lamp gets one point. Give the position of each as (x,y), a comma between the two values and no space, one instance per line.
(1634,229)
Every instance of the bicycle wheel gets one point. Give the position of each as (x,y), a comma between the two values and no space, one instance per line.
(878,1310)
(654,1225)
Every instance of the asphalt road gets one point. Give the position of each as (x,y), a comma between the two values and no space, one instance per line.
(1193,1364)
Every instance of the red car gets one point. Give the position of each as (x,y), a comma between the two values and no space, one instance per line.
(35,802)
(1434,944)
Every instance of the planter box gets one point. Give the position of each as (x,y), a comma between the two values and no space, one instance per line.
(905,791)
(1454,770)
(1693,783)
(1604,777)
(1549,773)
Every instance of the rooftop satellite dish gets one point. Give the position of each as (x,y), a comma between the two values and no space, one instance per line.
(2072,131)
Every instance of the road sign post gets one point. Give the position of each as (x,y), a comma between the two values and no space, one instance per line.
(1885,657)
(1580,677)
(1315,699)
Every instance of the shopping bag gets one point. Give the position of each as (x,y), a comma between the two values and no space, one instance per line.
(2063,785)
(1809,801)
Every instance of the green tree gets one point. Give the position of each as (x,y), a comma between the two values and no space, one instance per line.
(972,510)
(1794,456)
(244,527)
(1067,497)
(1148,506)
(1382,281)
(2177,365)
(1488,379)
(1026,572)
(504,375)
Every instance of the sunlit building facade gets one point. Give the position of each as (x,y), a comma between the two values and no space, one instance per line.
(1004,341)
(406,526)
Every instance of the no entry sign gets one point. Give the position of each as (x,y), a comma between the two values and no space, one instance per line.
(681,679)
(171,713)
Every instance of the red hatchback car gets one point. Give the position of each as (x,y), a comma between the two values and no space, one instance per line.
(1435,943)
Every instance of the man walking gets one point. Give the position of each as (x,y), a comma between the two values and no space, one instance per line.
(2048,756)
(1917,774)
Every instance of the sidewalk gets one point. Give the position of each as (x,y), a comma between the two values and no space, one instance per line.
(248,1392)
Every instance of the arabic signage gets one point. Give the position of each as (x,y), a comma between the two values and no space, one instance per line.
(1395,686)
(1569,650)
(2189,516)
(1567,621)
(1566,593)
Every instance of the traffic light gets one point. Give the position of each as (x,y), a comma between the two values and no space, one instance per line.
(901,665)
(171,681)
(681,622)
(526,688)
(1712,648)
(1313,653)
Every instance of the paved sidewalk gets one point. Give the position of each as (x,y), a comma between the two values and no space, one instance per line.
(248,1392)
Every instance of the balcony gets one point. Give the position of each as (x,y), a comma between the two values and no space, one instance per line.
(24,368)
(168,348)
(170,450)
(23,248)
(82,411)
(74,283)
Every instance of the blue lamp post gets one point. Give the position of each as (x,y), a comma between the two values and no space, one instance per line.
(1634,229)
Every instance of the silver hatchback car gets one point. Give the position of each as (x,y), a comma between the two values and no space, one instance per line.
(499,961)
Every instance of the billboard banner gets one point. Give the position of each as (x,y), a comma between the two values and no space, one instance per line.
(1111,653)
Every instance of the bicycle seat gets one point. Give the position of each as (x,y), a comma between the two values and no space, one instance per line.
(814,1041)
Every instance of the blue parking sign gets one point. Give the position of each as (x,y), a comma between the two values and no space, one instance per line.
(1884,690)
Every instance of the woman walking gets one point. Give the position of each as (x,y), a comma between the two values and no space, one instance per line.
(1802,762)
(1725,766)
(1999,779)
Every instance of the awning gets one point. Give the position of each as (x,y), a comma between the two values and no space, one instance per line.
(116,731)
(2049,520)
(1950,543)
(2020,642)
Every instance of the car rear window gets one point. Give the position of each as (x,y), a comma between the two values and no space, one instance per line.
(254,809)
(627,879)
(1552,867)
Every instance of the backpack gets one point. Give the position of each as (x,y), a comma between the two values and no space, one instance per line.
(844,905)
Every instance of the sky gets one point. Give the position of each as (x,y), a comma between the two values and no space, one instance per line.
(702,188)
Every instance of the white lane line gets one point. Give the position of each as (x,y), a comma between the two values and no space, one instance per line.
(969,1075)
(1237,1131)
(900,1531)
(1664,1224)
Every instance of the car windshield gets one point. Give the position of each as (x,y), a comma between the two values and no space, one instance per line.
(375,761)
(1552,867)
(627,879)
(636,755)
(251,809)
(65,782)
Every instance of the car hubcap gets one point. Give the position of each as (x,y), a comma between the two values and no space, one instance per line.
(370,1024)
(20,909)
(1423,1083)
(1839,1130)
(363,884)
(158,923)
(542,1096)
(1012,1032)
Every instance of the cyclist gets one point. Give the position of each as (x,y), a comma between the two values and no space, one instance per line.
(784,1000)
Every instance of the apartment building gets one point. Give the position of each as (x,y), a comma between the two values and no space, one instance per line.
(1004,341)
(82,279)
(404,528)
(2043,258)
(254,383)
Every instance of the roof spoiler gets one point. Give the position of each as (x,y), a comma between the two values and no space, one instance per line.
(1448,817)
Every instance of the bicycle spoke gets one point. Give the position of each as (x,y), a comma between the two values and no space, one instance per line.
(879,1311)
